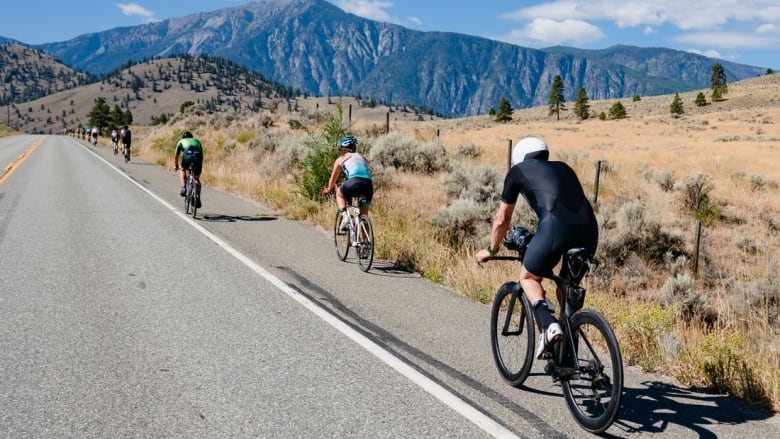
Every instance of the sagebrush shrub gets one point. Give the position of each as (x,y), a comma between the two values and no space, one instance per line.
(398,151)
(468,150)
(635,230)
(665,180)
(459,221)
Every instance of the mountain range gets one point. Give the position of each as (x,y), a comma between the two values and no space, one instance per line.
(315,47)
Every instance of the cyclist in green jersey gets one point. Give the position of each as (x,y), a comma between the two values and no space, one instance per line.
(191,152)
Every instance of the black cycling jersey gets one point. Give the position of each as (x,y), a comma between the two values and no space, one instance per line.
(566,218)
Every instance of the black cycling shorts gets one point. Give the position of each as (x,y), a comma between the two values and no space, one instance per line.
(196,160)
(362,188)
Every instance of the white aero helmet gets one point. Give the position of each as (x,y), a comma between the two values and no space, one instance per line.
(528,147)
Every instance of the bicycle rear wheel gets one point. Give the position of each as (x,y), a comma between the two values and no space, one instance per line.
(340,238)
(188,204)
(512,335)
(365,248)
(594,393)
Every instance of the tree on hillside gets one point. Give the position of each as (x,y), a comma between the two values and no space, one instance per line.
(617,111)
(505,111)
(700,100)
(128,117)
(99,115)
(117,117)
(581,105)
(677,106)
(556,97)
(718,82)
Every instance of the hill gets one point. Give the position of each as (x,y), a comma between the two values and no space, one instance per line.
(29,74)
(157,88)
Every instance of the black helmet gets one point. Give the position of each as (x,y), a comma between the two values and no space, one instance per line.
(186,135)
(348,142)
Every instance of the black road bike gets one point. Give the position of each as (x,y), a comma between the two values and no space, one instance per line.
(190,192)
(587,361)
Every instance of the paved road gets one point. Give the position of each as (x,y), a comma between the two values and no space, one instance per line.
(121,317)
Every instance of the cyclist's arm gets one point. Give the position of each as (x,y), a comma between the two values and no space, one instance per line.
(334,175)
(176,156)
(501,223)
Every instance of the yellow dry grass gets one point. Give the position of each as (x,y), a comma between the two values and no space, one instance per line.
(735,141)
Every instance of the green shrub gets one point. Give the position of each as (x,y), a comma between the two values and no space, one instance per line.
(395,150)
(695,198)
(315,168)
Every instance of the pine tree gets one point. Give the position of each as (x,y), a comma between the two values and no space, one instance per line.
(617,111)
(700,100)
(556,97)
(504,111)
(718,82)
(99,116)
(581,105)
(677,106)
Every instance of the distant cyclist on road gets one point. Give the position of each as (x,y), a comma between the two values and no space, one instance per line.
(114,140)
(566,221)
(358,181)
(191,151)
(126,137)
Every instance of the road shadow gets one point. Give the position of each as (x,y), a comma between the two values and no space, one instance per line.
(384,268)
(218,218)
(653,408)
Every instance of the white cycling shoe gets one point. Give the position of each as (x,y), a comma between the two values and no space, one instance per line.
(548,338)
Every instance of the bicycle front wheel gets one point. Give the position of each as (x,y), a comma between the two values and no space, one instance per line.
(340,237)
(365,248)
(512,335)
(593,394)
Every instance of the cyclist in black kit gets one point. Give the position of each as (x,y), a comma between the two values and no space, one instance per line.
(566,220)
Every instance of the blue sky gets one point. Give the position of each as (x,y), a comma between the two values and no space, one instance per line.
(742,31)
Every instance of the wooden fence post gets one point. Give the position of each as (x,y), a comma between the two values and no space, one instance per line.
(596,185)
(387,123)
(696,244)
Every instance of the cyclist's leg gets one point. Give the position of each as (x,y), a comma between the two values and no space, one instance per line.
(197,169)
(366,194)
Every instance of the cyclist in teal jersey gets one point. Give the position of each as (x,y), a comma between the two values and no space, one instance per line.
(358,181)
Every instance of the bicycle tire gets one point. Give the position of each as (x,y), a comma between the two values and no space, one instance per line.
(127,154)
(593,395)
(512,336)
(365,248)
(188,196)
(341,239)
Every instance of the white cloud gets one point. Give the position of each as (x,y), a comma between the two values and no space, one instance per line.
(131,9)
(707,53)
(546,32)
(685,15)
(766,28)
(414,21)
(371,9)
(728,40)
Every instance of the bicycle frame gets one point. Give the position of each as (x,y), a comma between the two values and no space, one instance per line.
(587,361)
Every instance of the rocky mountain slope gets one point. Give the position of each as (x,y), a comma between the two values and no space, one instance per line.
(316,47)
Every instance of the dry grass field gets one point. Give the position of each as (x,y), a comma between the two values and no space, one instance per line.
(715,327)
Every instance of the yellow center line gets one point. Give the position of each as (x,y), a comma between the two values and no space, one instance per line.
(13,166)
